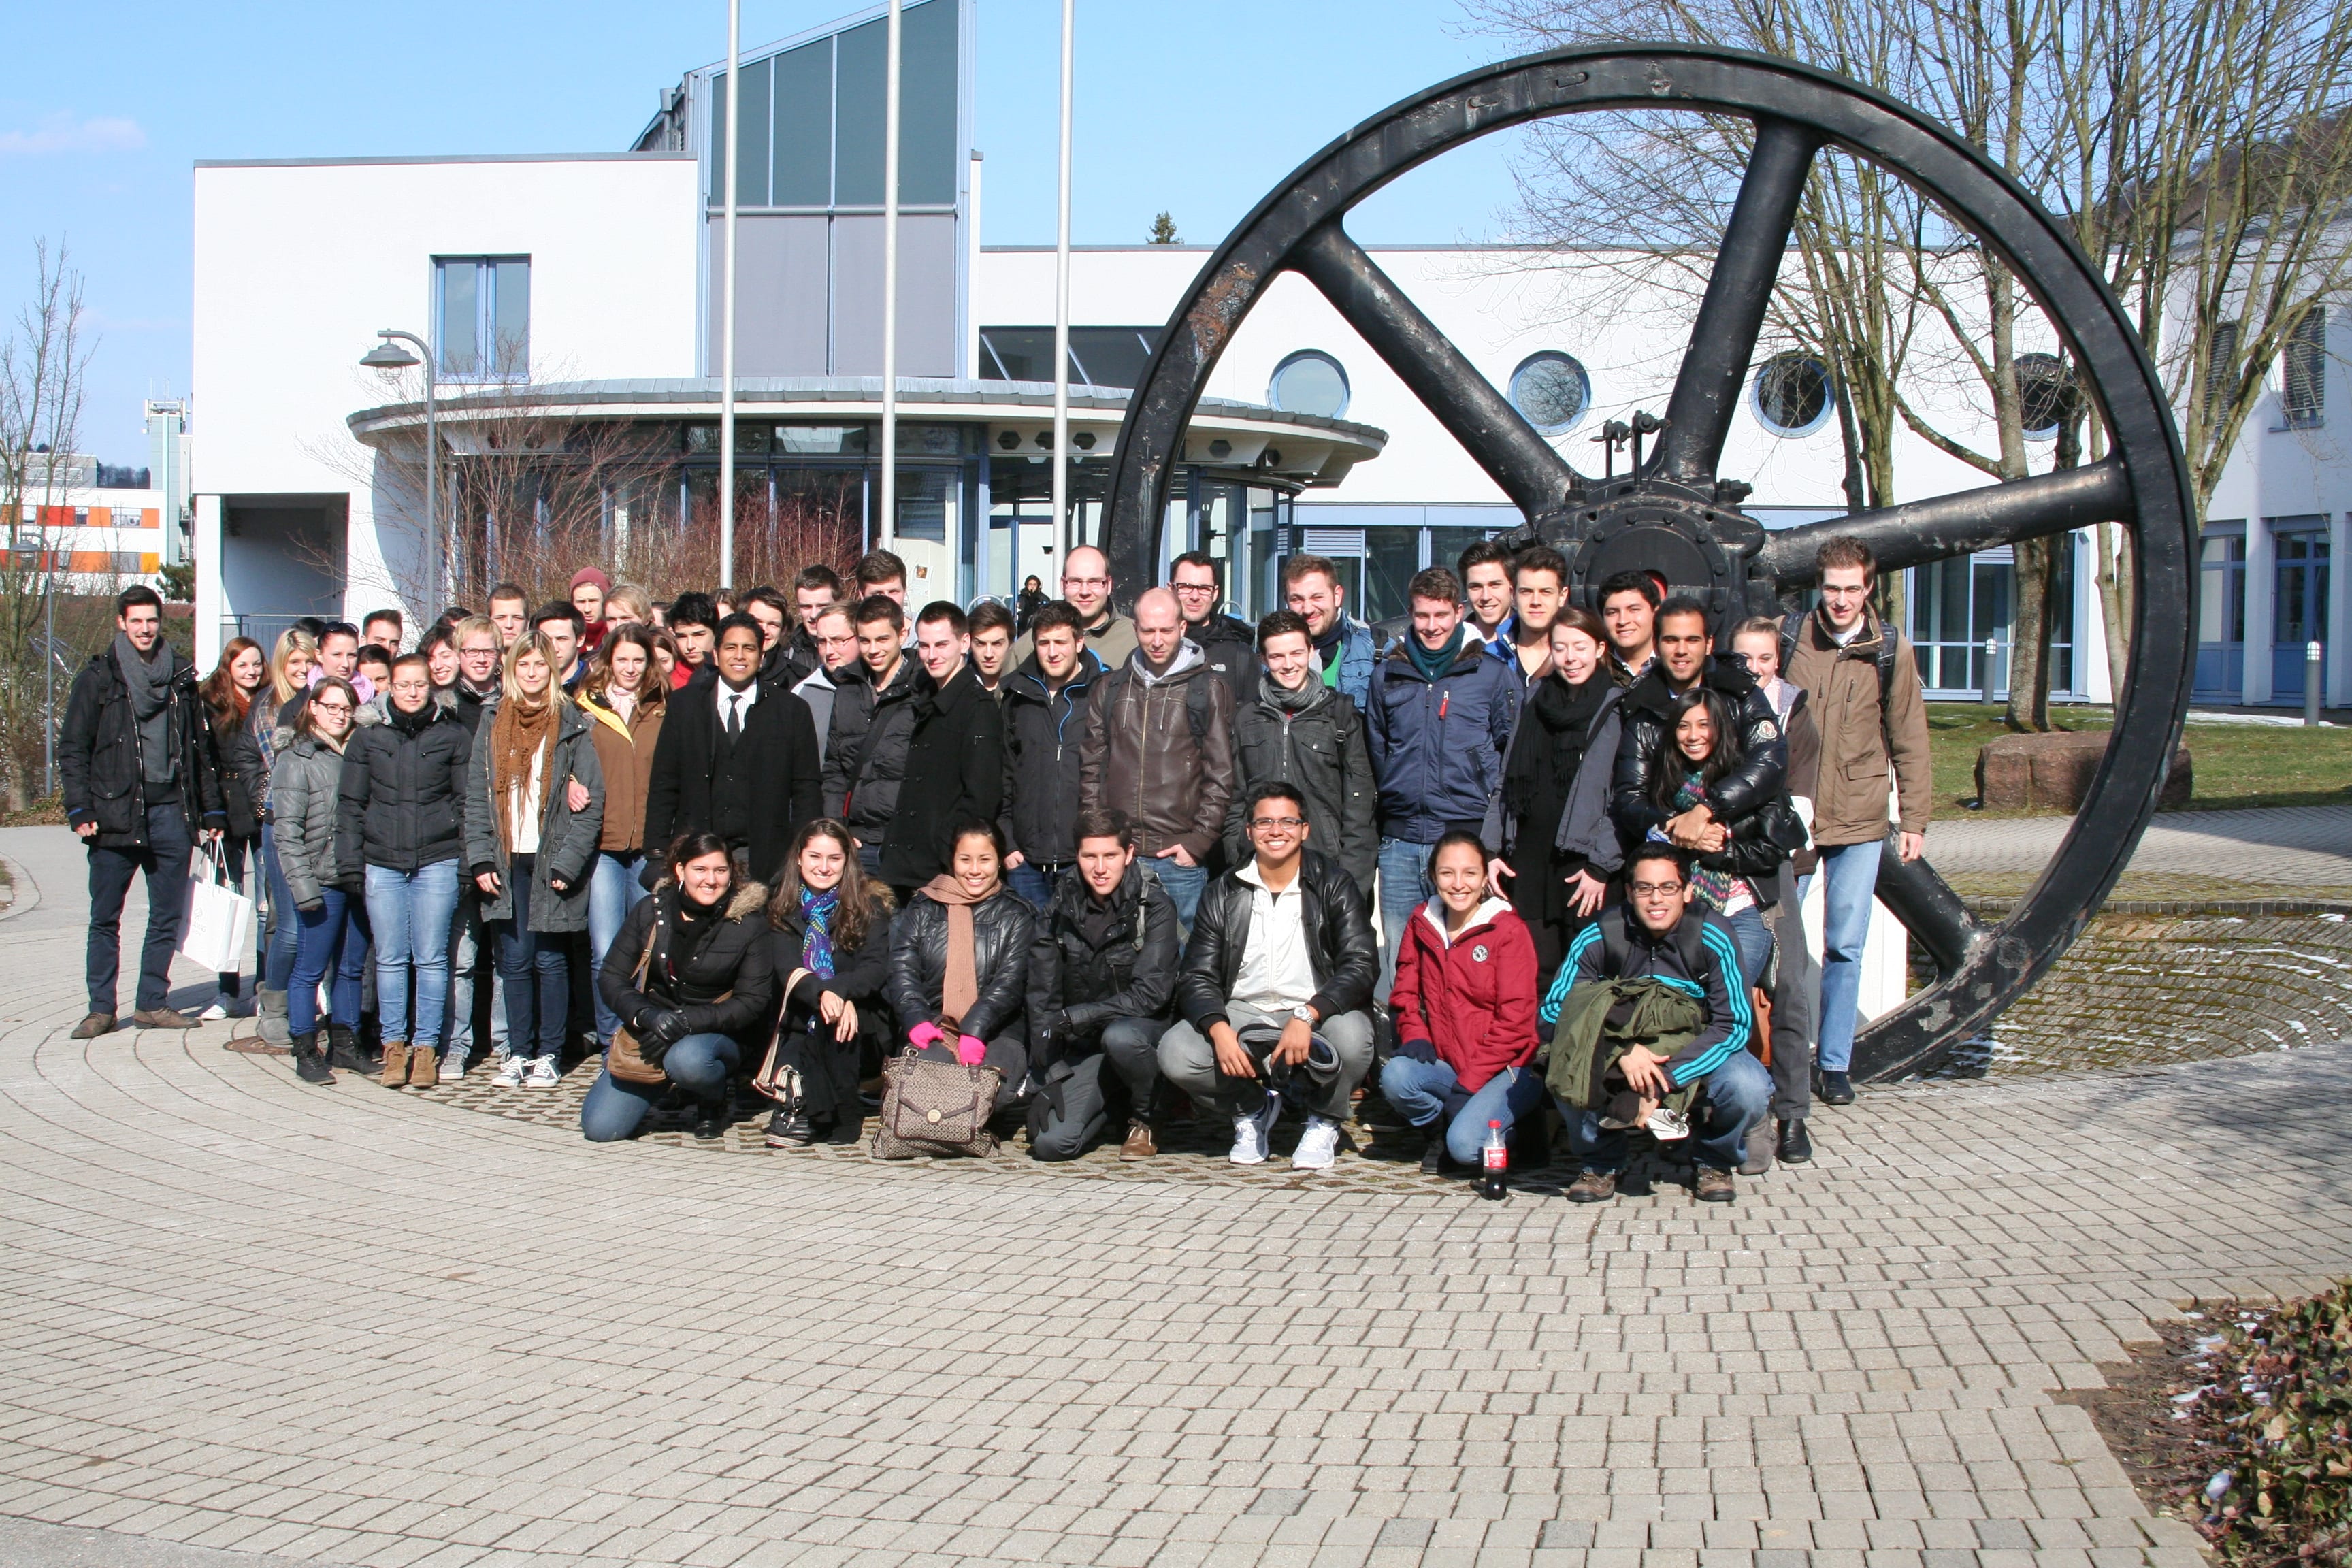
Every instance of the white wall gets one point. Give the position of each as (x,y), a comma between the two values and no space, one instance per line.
(298,264)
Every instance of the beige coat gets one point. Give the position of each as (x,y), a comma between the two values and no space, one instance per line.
(1850,793)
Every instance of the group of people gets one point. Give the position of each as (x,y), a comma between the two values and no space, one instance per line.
(1127,860)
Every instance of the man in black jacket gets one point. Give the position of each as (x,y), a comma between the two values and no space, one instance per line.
(1297,729)
(1226,643)
(135,762)
(1685,659)
(1275,986)
(737,757)
(955,754)
(1045,720)
(873,717)
(1101,970)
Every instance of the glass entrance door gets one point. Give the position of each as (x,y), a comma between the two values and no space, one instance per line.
(2299,601)
(2222,619)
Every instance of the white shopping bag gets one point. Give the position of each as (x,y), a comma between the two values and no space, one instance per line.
(220,919)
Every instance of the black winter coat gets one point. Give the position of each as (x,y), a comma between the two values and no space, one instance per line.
(1647,731)
(1001,933)
(1094,961)
(761,797)
(98,757)
(690,975)
(1338,925)
(955,773)
(860,975)
(865,751)
(243,775)
(401,802)
(1041,731)
(1230,648)
(1323,751)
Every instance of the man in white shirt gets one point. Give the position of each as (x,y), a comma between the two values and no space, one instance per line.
(1275,990)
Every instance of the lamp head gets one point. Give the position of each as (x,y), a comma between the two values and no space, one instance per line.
(388,355)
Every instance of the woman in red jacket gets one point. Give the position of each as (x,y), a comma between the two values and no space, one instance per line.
(1465,1006)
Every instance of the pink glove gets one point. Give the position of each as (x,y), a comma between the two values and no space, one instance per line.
(970,1052)
(925,1034)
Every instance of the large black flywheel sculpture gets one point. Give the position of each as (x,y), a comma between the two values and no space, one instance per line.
(1675,513)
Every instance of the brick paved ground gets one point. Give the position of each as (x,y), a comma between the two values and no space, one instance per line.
(348,1325)
(2273,852)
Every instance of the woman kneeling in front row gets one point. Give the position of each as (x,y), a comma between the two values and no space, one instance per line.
(959,963)
(690,971)
(832,947)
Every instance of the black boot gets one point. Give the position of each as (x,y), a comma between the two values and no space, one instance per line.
(310,1061)
(1795,1146)
(345,1051)
(1434,1161)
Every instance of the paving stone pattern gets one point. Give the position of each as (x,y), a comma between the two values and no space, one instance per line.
(348,1325)
(2281,846)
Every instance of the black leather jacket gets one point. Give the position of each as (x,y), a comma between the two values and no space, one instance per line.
(1001,933)
(1340,945)
(1647,715)
(1092,963)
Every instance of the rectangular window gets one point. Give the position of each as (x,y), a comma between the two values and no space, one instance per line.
(2305,402)
(1099,356)
(481,327)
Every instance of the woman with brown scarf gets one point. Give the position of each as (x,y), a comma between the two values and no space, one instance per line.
(531,841)
(959,963)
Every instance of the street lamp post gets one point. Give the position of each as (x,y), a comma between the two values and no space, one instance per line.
(389,355)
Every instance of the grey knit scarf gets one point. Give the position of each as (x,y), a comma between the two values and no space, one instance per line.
(149,676)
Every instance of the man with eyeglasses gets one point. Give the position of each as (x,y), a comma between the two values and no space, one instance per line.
(1275,994)
(1229,644)
(473,966)
(1086,587)
(1688,950)
(833,635)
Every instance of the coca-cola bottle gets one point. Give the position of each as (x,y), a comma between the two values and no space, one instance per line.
(1495,1163)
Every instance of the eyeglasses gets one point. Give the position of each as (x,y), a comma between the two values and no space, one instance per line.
(1285,824)
(1653,890)
(1194,587)
(1085,582)
(332,707)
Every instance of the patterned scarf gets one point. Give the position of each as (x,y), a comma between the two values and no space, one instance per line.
(1718,891)
(816,948)
(516,737)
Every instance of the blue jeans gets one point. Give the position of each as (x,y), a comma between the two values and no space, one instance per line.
(1753,940)
(1733,1099)
(409,912)
(613,892)
(699,1064)
(1853,873)
(1033,887)
(1420,1090)
(1404,887)
(473,963)
(165,861)
(285,927)
(536,966)
(333,940)
(1182,884)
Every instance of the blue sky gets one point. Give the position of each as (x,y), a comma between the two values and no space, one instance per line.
(1196,106)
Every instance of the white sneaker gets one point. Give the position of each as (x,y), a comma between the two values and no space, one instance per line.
(217,1010)
(541,1074)
(509,1074)
(453,1066)
(1318,1146)
(1250,1132)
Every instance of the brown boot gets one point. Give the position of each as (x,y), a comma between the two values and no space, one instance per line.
(1140,1144)
(1593,1188)
(97,1024)
(396,1064)
(423,1068)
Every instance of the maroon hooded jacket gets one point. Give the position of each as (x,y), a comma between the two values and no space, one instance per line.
(1473,999)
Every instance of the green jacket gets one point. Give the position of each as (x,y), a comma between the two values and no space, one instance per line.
(1602,1018)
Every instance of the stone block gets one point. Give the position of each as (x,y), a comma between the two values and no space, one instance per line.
(2018,772)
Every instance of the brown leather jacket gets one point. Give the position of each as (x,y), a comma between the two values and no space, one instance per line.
(1850,792)
(1140,755)
(625,751)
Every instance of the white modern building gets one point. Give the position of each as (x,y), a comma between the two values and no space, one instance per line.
(571,301)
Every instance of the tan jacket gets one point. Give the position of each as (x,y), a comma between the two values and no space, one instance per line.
(626,753)
(1111,640)
(1842,683)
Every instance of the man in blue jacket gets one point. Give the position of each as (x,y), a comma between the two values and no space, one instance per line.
(1439,713)
(1659,934)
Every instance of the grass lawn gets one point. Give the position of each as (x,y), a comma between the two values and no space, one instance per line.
(2235,765)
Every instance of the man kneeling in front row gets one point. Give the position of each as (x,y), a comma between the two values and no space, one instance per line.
(1275,987)
(1689,951)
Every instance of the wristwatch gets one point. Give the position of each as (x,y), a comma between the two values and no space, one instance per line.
(1303,1013)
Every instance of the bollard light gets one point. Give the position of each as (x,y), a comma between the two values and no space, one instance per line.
(2312,653)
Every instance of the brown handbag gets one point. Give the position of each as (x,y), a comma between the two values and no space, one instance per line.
(623,1059)
(935,1107)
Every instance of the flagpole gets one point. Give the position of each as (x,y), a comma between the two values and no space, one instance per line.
(727,301)
(1061,534)
(890,285)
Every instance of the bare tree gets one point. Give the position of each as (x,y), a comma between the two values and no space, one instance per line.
(43,361)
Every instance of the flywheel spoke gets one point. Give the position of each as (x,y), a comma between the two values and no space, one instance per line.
(1497,438)
(1920,531)
(1929,909)
(1731,315)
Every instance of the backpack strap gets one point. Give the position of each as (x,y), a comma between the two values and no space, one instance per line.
(1889,652)
(1197,710)
(1614,948)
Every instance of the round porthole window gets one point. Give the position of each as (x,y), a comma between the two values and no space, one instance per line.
(1309,381)
(1792,395)
(1551,391)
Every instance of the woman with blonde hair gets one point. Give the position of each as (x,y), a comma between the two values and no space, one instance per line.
(628,604)
(530,843)
(625,695)
(290,662)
